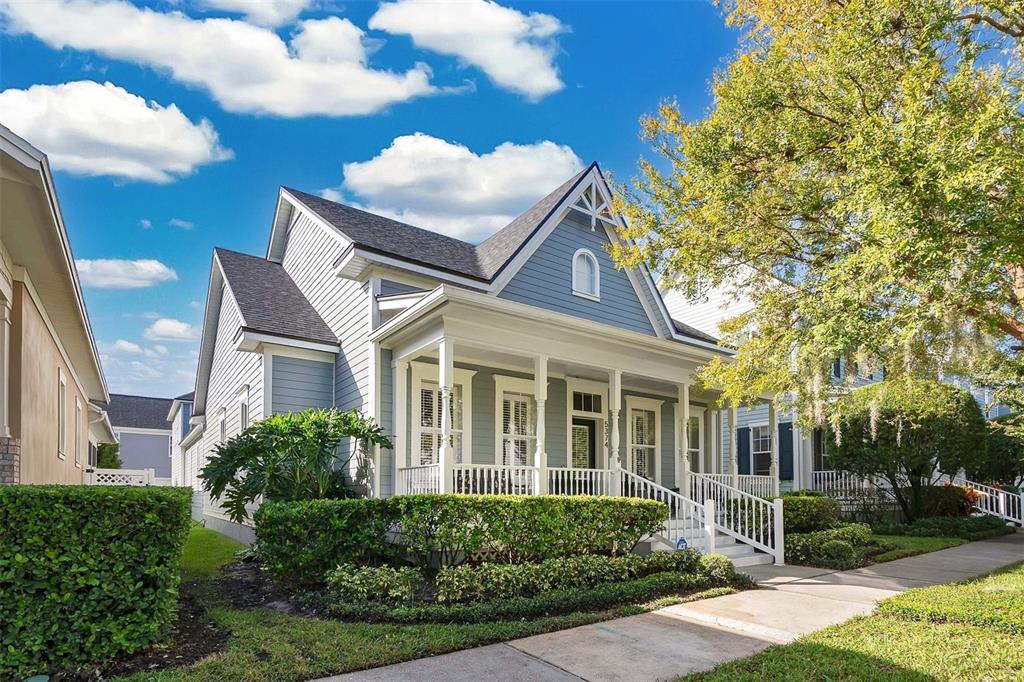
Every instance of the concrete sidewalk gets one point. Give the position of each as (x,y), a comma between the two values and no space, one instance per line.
(689,638)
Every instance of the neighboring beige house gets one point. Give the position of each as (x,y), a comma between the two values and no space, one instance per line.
(52,389)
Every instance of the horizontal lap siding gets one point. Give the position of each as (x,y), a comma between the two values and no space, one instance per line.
(310,253)
(230,370)
(298,384)
(545,281)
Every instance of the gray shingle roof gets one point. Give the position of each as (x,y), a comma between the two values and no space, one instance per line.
(138,412)
(187,397)
(693,332)
(394,238)
(269,300)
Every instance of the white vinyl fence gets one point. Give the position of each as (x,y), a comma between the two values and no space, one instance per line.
(96,476)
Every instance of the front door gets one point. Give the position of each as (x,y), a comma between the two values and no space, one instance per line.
(584,443)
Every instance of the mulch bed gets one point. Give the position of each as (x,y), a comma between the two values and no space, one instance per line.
(193,635)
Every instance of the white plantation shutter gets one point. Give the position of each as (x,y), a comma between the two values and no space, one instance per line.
(580,447)
(644,440)
(517,428)
(430,423)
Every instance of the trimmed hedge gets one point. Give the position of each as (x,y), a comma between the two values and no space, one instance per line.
(970,528)
(839,547)
(947,500)
(489,582)
(807,513)
(995,601)
(595,598)
(300,542)
(86,573)
(381,584)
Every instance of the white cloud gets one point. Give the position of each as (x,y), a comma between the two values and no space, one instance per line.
(195,305)
(181,224)
(244,67)
(145,223)
(126,347)
(157,371)
(262,12)
(433,183)
(169,329)
(516,50)
(90,128)
(112,273)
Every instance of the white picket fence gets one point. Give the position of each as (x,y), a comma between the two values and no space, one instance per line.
(96,476)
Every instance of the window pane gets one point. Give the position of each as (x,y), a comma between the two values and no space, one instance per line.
(577,400)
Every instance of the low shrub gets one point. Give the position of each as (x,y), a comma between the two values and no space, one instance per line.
(86,573)
(488,582)
(995,601)
(820,548)
(970,528)
(516,529)
(595,598)
(803,513)
(382,584)
(718,568)
(300,542)
(947,500)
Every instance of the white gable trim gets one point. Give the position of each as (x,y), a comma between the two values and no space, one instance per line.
(286,213)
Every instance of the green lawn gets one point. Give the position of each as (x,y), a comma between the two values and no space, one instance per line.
(909,545)
(270,645)
(205,552)
(903,641)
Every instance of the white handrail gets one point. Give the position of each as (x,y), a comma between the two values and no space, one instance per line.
(417,480)
(754,484)
(750,519)
(495,479)
(686,518)
(566,481)
(994,501)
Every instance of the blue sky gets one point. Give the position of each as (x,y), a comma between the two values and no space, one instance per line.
(209,109)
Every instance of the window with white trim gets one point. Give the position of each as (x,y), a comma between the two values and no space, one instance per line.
(586,275)
(426,415)
(518,428)
(643,440)
(78,432)
(694,429)
(62,414)
(243,409)
(760,450)
(222,434)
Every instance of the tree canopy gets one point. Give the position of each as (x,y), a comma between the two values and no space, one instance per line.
(859,180)
(906,432)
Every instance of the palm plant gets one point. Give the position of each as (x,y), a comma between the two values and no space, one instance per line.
(288,457)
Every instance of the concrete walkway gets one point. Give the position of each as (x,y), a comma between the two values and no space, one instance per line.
(689,638)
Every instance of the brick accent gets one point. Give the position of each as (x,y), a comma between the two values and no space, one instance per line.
(10,461)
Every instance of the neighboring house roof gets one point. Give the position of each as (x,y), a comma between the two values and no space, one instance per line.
(138,412)
(269,300)
(687,330)
(33,233)
(187,397)
(394,238)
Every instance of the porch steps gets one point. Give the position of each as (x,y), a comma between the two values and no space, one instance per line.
(741,554)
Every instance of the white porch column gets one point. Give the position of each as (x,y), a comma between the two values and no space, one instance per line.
(773,429)
(683,435)
(540,395)
(446,380)
(400,410)
(734,457)
(615,389)
(714,441)
(5,367)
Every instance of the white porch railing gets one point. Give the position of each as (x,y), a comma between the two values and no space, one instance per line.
(761,486)
(564,481)
(994,501)
(418,480)
(495,479)
(842,484)
(94,476)
(748,518)
(686,519)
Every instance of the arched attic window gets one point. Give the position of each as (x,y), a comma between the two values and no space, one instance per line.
(586,275)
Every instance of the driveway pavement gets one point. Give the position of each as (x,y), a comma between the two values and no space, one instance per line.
(688,638)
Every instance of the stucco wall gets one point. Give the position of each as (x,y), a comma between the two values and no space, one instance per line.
(36,363)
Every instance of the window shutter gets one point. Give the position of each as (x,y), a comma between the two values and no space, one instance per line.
(786,451)
(743,450)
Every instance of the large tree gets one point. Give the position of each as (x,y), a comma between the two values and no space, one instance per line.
(859,179)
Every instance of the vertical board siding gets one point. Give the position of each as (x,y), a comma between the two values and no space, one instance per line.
(230,370)
(309,256)
(545,281)
(298,384)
